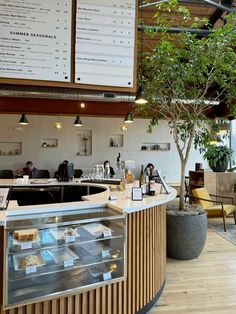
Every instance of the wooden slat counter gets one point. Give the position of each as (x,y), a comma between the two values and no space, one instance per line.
(146,262)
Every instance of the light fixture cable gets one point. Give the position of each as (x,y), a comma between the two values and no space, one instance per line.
(140,97)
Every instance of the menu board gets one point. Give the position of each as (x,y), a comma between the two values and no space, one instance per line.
(105,37)
(35,39)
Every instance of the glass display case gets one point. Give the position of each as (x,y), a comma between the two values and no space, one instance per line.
(49,255)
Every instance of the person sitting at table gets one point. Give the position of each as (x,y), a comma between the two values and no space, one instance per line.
(29,170)
(108,170)
(149,170)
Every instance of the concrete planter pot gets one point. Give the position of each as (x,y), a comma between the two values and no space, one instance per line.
(186,235)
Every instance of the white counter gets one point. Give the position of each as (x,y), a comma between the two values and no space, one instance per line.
(122,202)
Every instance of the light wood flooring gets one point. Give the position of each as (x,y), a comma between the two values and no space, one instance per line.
(205,285)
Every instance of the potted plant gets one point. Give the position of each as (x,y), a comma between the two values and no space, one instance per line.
(218,157)
(181,82)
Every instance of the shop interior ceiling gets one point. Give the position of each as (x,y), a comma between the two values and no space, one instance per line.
(64,101)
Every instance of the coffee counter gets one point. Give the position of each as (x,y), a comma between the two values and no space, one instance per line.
(145,257)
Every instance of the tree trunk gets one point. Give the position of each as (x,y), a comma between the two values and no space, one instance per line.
(182,187)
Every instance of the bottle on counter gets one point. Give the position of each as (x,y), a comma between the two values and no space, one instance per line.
(152,185)
(142,181)
(118,159)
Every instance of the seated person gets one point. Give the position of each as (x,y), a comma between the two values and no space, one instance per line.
(149,170)
(28,170)
(65,171)
(108,170)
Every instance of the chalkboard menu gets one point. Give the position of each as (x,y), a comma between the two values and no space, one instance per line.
(35,39)
(104,52)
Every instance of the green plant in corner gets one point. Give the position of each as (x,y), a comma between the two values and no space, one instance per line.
(185,76)
(218,156)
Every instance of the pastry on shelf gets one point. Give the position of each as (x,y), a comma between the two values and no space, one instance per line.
(25,235)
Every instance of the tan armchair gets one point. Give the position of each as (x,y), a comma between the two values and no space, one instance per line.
(214,208)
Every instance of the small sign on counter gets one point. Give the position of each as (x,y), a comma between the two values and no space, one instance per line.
(106,276)
(68,263)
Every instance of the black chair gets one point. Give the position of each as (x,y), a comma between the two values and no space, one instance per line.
(78,173)
(42,173)
(186,185)
(6,174)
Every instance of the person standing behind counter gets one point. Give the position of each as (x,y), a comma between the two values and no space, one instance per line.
(28,170)
(108,170)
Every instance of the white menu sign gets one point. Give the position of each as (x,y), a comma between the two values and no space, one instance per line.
(35,39)
(104,52)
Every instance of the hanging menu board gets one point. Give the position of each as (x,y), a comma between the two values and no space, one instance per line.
(35,39)
(104,52)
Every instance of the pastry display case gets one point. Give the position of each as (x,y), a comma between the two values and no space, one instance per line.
(49,255)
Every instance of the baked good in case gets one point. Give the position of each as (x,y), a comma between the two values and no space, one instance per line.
(31,260)
(25,235)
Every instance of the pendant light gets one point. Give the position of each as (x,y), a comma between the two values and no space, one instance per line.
(58,124)
(78,122)
(140,96)
(23,120)
(129,118)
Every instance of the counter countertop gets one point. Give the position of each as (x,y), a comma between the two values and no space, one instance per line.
(121,203)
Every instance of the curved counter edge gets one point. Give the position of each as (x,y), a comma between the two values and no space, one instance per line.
(122,203)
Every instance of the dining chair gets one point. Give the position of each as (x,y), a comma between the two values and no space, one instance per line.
(6,174)
(41,173)
(214,208)
(78,173)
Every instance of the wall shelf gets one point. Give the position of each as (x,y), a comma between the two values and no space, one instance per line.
(155,146)
(49,143)
(10,148)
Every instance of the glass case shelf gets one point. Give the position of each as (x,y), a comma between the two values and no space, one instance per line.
(73,250)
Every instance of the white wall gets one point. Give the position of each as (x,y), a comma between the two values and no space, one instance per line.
(49,158)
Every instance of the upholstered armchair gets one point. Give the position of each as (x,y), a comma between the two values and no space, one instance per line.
(214,208)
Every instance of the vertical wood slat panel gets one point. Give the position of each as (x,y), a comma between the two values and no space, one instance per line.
(138,262)
(141,259)
(129,265)
(134,274)
(119,309)
(146,249)
(145,260)
(148,254)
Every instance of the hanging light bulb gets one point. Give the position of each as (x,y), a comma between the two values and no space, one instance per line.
(123,127)
(82,105)
(23,120)
(78,122)
(58,125)
(128,118)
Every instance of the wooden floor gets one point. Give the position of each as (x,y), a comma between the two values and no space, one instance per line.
(205,285)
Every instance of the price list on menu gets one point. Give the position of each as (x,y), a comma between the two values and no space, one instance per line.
(105,37)
(35,39)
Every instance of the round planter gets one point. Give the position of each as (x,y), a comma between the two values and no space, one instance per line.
(220,167)
(186,235)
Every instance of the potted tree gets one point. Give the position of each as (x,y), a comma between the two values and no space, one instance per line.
(182,79)
(218,157)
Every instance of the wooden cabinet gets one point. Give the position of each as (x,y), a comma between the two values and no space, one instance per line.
(196,180)
(217,183)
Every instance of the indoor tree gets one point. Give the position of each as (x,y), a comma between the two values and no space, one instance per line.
(185,75)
